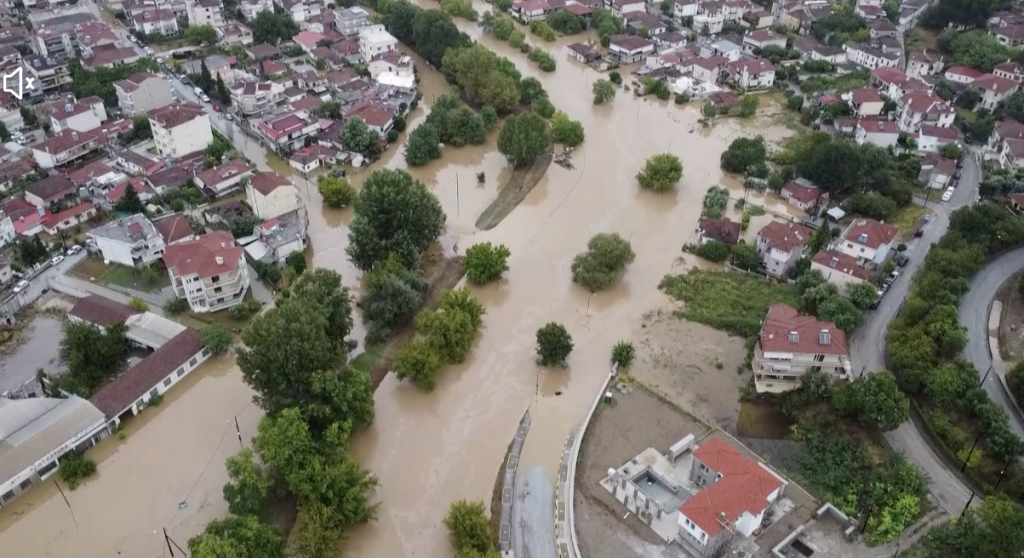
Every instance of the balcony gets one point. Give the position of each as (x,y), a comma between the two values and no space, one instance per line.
(800,363)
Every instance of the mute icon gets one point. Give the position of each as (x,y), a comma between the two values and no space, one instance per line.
(13,83)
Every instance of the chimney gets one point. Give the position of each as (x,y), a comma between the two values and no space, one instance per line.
(74,135)
(219,260)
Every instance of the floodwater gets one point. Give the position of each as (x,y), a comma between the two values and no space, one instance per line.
(37,350)
(430,449)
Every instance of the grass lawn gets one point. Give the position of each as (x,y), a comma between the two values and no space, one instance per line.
(93,269)
(909,219)
(364,361)
(732,301)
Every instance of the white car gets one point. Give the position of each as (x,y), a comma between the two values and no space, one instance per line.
(20,286)
(947,195)
(205,98)
(75,249)
(150,51)
(56,259)
(132,38)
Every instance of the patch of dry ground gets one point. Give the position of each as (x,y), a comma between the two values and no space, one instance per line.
(1011,323)
(693,365)
(519,185)
(631,423)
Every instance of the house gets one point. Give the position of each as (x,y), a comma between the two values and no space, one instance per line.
(219,67)
(962,74)
(156,22)
(937,171)
(1011,155)
(110,57)
(669,40)
(801,194)
(270,195)
(302,11)
(791,344)
(377,117)
(583,53)
(832,54)
(1009,70)
(311,157)
(707,70)
(1009,35)
(252,98)
(290,130)
(83,116)
(752,74)
(252,8)
(761,39)
(308,40)
(882,133)
(263,51)
(137,163)
(1016,201)
(924,107)
(710,18)
(527,11)
(867,240)
(65,147)
(131,241)
(839,269)
(925,63)
(720,230)
(224,179)
(47,74)
(393,62)
(780,245)
(638,21)
(235,34)
(205,12)
(1005,129)
(865,102)
(12,171)
(168,179)
(143,92)
(620,8)
(54,189)
(630,49)
(67,36)
(735,494)
(994,90)
(730,49)
(349,21)
(932,137)
(869,57)
(882,27)
(210,271)
(180,128)
(69,218)
(174,229)
(279,237)
(138,184)
(374,40)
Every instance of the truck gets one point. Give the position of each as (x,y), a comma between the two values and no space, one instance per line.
(199,92)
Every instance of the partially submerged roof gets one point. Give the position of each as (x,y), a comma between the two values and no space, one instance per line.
(101,311)
(32,428)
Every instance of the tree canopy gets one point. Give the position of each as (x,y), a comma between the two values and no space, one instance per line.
(235,537)
(358,137)
(602,264)
(553,344)
(977,49)
(604,91)
(523,138)
(271,27)
(434,35)
(486,262)
(744,153)
(661,172)
(423,146)
(91,355)
(484,76)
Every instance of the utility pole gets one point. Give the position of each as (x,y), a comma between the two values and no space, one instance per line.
(968,504)
(969,454)
(986,376)
(458,203)
(167,540)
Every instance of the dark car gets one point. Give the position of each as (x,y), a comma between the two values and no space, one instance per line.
(919,233)
(903,259)
(956,175)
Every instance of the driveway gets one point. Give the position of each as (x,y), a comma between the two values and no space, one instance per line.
(868,342)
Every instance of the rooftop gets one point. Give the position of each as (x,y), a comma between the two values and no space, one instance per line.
(208,255)
(52,188)
(266,182)
(785,236)
(221,173)
(173,228)
(132,82)
(842,263)
(787,331)
(996,84)
(870,233)
(177,114)
(630,42)
(965,71)
(109,56)
(101,311)
(65,141)
(722,230)
(802,191)
(30,429)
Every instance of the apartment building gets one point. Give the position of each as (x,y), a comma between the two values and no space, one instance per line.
(289,131)
(869,241)
(252,8)
(271,195)
(780,245)
(869,57)
(180,129)
(143,92)
(205,12)
(83,116)
(66,147)
(790,344)
(252,98)
(350,21)
(132,241)
(209,272)
(156,22)
(374,40)
(48,74)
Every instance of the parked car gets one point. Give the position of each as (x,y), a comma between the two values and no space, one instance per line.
(957,174)
(20,286)
(184,79)
(75,249)
(228,116)
(56,259)
(902,260)
(132,38)
(919,232)
(878,300)
(205,98)
(947,195)
(928,218)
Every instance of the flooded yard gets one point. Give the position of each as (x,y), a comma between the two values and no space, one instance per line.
(34,347)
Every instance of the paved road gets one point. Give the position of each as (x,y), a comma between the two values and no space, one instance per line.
(867,344)
(974,312)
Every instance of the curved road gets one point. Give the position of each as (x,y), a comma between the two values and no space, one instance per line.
(974,312)
(868,343)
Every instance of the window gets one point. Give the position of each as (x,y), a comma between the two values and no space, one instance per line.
(193,362)
(7,496)
(206,352)
(167,382)
(217,289)
(180,372)
(215,278)
(154,393)
(138,404)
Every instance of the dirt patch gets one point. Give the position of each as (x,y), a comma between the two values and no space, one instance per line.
(515,190)
(631,423)
(442,273)
(693,365)
(1011,322)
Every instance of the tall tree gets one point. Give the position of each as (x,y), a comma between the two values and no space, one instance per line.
(248,483)
(206,79)
(523,138)
(435,34)
(130,201)
(237,537)
(223,95)
(91,355)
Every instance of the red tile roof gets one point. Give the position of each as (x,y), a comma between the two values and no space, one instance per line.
(802,193)
(176,114)
(266,182)
(372,114)
(996,84)
(763,35)
(753,67)
(66,141)
(117,192)
(283,125)
(308,39)
(1010,129)
(110,56)
(744,487)
(306,103)
(783,320)
(199,256)
(947,134)
(1011,32)
(861,96)
(842,263)
(88,172)
(129,387)
(173,228)
(101,311)
(785,236)
(722,230)
(879,126)
(221,173)
(887,74)
(52,188)
(877,233)
(58,218)
(1009,67)
(630,42)
(965,71)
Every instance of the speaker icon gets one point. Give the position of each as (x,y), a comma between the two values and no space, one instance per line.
(15,84)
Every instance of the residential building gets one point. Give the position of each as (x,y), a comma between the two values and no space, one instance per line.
(219,66)
(271,195)
(391,61)
(937,171)
(707,70)
(869,241)
(709,20)
(730,48)
(718,230)
(882,133)
(205,12)
(252,8)
(622,7)
(156,22)
(82,116)
(251,98)
(68,218)
(309,40)
(289,131)
(131,241)
(224,179)
(801,194)
(839,269)
(378,118)
(739,492)
(833,54)
(67,36)
(14,170)
(527,11)
(636,22)
(1009,70)
(994,90)
(180,129)
(302,11)
(54,189)
(100,312)
(780,245)
(925,63)
(66,147)
(924,107)
(629,49)
(791,344)
(168,179)
(1010,35)
(962,74)
(752,74)
(7,234)
(143,92)
(210,271)
(583,53)
(264,51)
(870,57)
(279,237)
(235,34)
(47,74)
(865,102)
(932,137)
(374,40)
(110,57)
(1012,153)
(684,8)
(882,27)
(761,39)
(1005,129)
(350,21)
(311,157)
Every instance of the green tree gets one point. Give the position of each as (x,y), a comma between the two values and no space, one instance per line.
(523,138)
(604,261)
(235,536)
(503,28)
(336,191)
(979,50)
(951,151)
(274,28)
(486,262)
(418,362)
(424,146)
(29,117)
(744,256)
(483,76)
(553,344)
(91,355)
(451,329)
(243,225)
(435,35)
(222,93)
(874,400)
(489,116)
(248,483)
(604,91)
(708,110)
(622,354)
(176,306)
(744,153)
(530,89)
(5,134)
(861,294)
(296,261)
(748,107)
(469,528)
(199,34)
(75,467)
(565,22)
(392,293)
(661,172)
(358,137)
(394,214)
(216,338)
(130,202)
(565,131)
(989,530)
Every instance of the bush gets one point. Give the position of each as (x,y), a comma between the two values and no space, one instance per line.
(543,107)
(602,264)
(715,201)
(604,91)
(337,192)
(715,251)
(515,40)
(137,304)
(661,172)
(565,131)
(176,306)
(616,78)
(543,30)
(392,293)
(486,262)
(469,529)
(543,60)
(1015,381)
(682,99)
(744,153)
(418,362)
(874,400)
(216,338)
(744,256)
(423,146)
(622,354)
(245,310)
(75,467)
(553,344)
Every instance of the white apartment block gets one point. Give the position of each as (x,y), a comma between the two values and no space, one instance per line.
(205,12)
(132,241)
(791,344)
(143,92)
(374,40)
(180,129)
(210,271)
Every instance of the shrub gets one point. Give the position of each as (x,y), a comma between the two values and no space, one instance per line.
(616,78)
(744,153)
(486,262)
(543,30)
(543,60)
(715,251)
(137,304)
(661,172)
(1015,381)
(553,344)
(176,306)
(604,91)
(296,261)
(715,201)
(682,99)
(601,265)
(245,310)
(337,192)
(75,467)
(566,131)
(418,362)
(516,38)
(744,256)
(216,338)
(622,354)
(469,529)
(874,400)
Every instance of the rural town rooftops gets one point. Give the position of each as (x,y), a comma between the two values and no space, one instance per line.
(926,101)
(722,230)
(173,228)
(843,263)
(861,96)
(947,134)
(996,84)
(787,331)
(101,311)
(965,71)
(630,42)
(132,82)
(744,487)
(762,35)
(127,388)
(803,193)
(264,50)
(266,182)
(177,114)
(309,39)
(1010,129)
(531,6)
(52,188)
(151,16)
(1009,67)
(878,126)
(118,192)
(785,236)
(220,173)
(208,255)
(65,141)
(755,66)
(371,113)
(109,56)
(1011,32)
(870,233)
(73,211)
(578,9)
(62,111)
(89,172)
(171,177)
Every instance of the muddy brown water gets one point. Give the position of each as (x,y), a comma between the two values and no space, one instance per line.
(430,449)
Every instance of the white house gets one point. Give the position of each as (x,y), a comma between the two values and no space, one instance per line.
(752,74)
(962,74)
(761,39)
(867,240)
(180,129)
(629,49)
(252,8)
(924,107)
(527,11)
(235,34)
(791,344)
(210,271)
(205,12)
(224,179)
(378,118)
(780,245)
(250,97)
(882,133)
(374,40)
(870,57)
(349,21)
(156,22)
(271,195)
(69,218)
(1009,70)
(143,92)
(622,7)
(132,241)
(391,61)
(932,137)
(925,63)
(1009,35)
(289,130)
(865,102)
(839,269)
(83,116)
(994,90)
(66,147)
